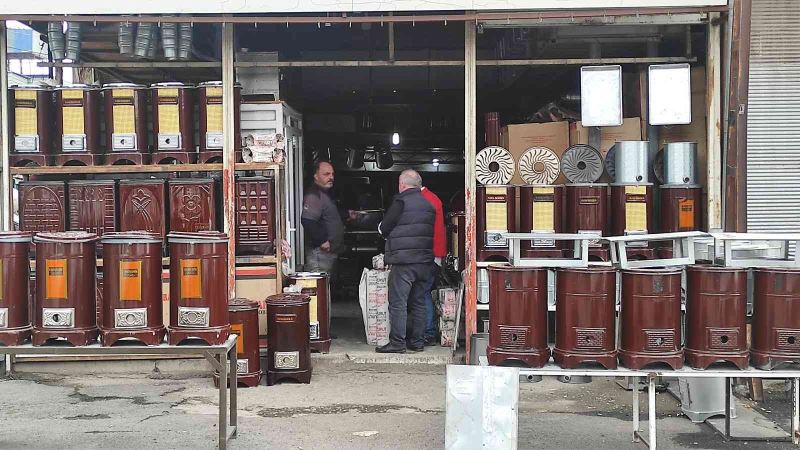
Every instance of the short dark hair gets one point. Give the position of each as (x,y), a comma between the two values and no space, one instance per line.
(318,163)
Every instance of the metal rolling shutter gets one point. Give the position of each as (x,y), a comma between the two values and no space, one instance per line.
(773,126)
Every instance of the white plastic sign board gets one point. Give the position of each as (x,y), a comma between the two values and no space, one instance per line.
(601,96)
(669,94)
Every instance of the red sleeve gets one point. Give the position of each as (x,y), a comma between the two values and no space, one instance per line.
(439,237)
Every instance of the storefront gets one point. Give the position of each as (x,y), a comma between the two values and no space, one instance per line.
(350,80)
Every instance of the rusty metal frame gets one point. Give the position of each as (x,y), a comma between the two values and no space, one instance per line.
(5,138)
(470,149)
(229,153)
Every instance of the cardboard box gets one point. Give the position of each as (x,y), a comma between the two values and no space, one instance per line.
(519,138)
(630,130)
(373,295)
(447,303)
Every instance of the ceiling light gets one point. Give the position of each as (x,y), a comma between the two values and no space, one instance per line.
(395,138)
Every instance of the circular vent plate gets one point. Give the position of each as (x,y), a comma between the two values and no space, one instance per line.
(582,164)
(494,165)
(539,165)
(610,165)
(658,166)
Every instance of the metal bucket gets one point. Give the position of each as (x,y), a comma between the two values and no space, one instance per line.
(631,162)
(680,163)
(73,41)
(702,398)
(477,349)
(483,286)
(144,33)
(55,38)
(169,40)
(184,41)
(125,38)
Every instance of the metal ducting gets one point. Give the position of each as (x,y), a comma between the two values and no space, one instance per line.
(184,41)
(680,163)
(631,163)
(384,158)
(55,39)
(153,46)
(169,40)
(73,41)
(773,121)
(126,37)
(144,34)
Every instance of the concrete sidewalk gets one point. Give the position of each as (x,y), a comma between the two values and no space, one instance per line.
(347,405)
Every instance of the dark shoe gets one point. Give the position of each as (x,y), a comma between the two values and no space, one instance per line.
(415,349)
(430,341)
(389,348)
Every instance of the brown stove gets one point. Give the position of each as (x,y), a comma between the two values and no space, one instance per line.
(30,122)
(586,317)
(198,287)
(518,316)
(315,285)
(541,209)
(15,319)
(65,288)
(243,314)
(132,306)
(776,317)
(289,354)
(650,318)
(716,316)
(77,125)
(126,123)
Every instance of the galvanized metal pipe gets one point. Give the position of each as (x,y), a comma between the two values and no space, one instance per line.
(7,201)
(229,154)
(470,150)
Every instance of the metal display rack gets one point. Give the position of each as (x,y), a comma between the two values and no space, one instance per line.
(217,355)
(682,247)
(580,256)
(728,242)
(652,374)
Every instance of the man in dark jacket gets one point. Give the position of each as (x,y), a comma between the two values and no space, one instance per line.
(408,229)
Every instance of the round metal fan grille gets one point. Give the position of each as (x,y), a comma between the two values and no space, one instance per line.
(610,164)
(658,166)
(582,164)
(494,165)
(539,165)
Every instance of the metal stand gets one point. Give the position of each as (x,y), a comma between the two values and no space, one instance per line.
(217,355)
(744,249)
(650,440)
(580,253)
(682,249)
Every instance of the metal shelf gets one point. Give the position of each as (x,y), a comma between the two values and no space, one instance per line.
(130,168)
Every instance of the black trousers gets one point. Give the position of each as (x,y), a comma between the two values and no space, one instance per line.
(407,284)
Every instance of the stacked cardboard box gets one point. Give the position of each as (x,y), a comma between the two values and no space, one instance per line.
(373,295)
(448,301)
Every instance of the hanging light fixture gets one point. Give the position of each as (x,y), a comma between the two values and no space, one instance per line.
(395,138)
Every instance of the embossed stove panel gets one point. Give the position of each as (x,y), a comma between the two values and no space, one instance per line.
(42,206)
(142,206)
(93,206)
(255,213)
(192,205)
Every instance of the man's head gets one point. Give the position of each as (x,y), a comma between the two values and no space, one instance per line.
(409,179)
(323,174)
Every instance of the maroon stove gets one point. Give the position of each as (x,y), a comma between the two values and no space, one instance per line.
(650,318)
(586,317)
(586,208)
(541,209)
(126,123)
(30,123)
(209,98)
(716,316)
(198,287)
(776,317)
(143,206)
(243,314)
(192,205)
(66,273)
(173,123)
(42,206)
(132,306)
(15,319)
(632,213)
(93,207)
(518,316)
(77,126)
(255,215)
(289,353)
(496,214)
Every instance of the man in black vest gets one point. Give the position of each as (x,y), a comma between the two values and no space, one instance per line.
(408,229)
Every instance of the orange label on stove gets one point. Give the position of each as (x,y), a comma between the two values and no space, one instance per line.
(55,278)
(191,282)
(130,281)
(238,328)
(686,214)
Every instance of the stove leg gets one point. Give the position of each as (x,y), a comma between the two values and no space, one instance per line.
(727,409)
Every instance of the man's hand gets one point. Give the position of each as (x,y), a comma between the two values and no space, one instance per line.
(352,214)
(326,246)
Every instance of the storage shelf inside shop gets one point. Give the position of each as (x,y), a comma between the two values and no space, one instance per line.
(128,168)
